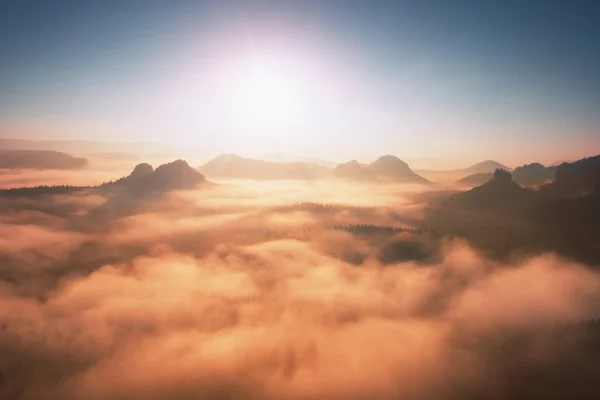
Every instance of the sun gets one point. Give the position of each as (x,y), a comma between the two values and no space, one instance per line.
(252,103)
(265,97)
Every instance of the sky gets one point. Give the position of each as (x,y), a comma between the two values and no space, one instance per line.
(455,82)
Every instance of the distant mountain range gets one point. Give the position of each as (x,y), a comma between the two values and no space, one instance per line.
(568,180)
(39,159)
(504,219)
(233,166)
(534,175)
(96,148)
(449,176)
(500,191)
(386,168)
(354,170)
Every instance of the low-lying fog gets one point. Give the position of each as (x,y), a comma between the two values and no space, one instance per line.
(279,290)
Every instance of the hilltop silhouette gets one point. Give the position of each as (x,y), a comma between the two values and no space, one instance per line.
(171,176)
(387,168)
(476,174)
(534,174)
(233,166)
(40,159)
(392,168)
(500,192)
(354,170)
(140,171)
(483,167)
(574,179)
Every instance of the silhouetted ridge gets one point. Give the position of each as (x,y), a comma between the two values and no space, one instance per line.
(232,166)
(557,163)
(576,178)
(534,174)
(353,170)
(486,166)
(500,176)
(171,176)
(141,170)
(500,192)
(505,220)
(531,175)
(142,180)
(176,175)
(391,167)
(387,167)
(475,179)
(40,159)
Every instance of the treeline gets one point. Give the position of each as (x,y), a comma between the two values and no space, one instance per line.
(381,229)
(43,190)
(364,229)
(312,206)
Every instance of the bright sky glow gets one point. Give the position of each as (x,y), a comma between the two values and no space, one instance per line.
(333,79)
(264,99)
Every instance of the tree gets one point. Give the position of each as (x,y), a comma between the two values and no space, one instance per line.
(502,176)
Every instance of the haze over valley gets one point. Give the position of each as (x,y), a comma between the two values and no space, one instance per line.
(272,281)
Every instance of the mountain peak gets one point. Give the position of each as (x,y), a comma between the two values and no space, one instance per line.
(353,170)
(387,167)
(389,158)
(232,166)
(141,170)
(502,177)
(177,175)
(501,192)
(170,176)
(174,165)
(391,167)
(388,163)
(484,166)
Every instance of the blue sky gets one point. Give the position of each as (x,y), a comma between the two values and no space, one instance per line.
(431,78)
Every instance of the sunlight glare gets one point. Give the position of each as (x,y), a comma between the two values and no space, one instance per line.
(265,97)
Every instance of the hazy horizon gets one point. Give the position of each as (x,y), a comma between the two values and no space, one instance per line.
(148,151)
(511,81)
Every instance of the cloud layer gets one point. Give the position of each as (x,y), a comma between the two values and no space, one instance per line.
(247,292)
